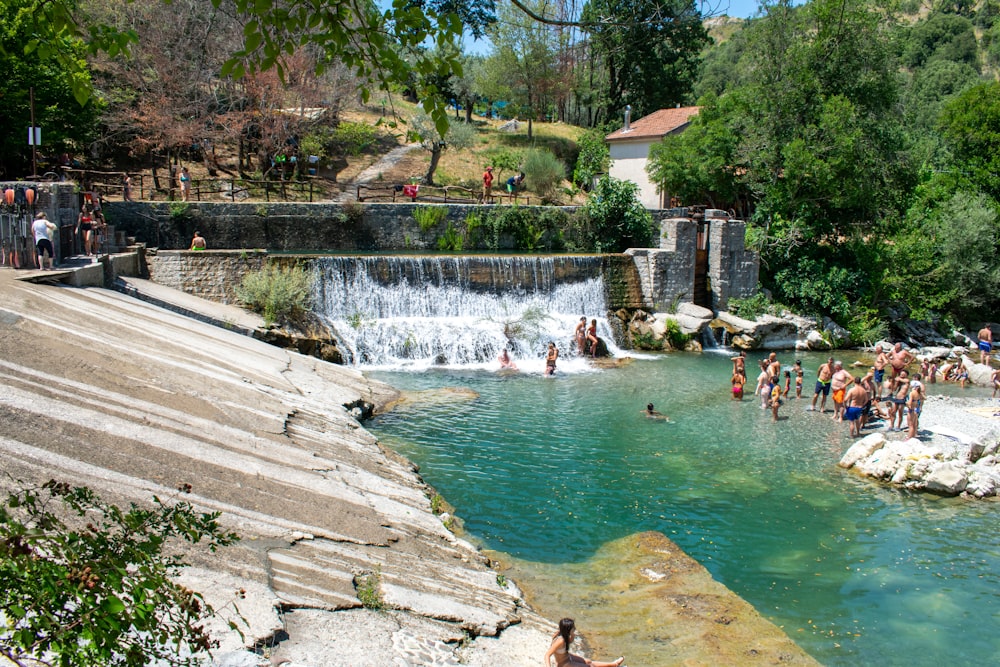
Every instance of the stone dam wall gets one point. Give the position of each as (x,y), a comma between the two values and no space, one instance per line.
(215,274)
(661,277)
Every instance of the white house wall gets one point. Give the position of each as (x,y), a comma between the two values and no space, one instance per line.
(628,163)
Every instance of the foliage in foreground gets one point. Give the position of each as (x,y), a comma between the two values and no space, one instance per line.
(280,294)
(87,583)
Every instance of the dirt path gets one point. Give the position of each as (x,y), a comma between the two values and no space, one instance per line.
(384,164)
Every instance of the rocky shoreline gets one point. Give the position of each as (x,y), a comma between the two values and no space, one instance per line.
(104,390)
(955,451)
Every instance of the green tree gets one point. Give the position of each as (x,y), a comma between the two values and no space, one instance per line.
(594,158)
(951,246)
(649,50)
(458,135)
(87,583)
(67,126)
(940,37)
(522,68)
(710,179)
(618,219)
(970,125)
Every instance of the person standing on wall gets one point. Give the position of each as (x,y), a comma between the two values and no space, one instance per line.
(43,229)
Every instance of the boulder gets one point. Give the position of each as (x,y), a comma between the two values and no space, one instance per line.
(692,310)
(947,478)
(837,334)
(689,324)
(979,374)
(816,341)
(983,481)
(862,449)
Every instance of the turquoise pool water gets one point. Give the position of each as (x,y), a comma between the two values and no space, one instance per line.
(549,470)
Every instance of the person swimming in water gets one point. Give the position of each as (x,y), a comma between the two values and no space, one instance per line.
(653,414)
(559,649)
(506,363)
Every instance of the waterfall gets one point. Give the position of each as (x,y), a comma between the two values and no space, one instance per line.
(413,312)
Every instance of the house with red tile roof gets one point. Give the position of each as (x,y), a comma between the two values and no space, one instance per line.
(630,146)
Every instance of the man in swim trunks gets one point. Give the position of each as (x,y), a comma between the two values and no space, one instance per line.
(854,409)
(838,384)
(740,364)
(985,344)
(823,376)
(773,365)
(899,359)
(880,361)
(897,400)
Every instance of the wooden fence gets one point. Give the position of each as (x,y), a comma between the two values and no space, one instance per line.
(110,185)
(443,194)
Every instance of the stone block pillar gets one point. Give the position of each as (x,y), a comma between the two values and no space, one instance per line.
(667,273)
(732,269)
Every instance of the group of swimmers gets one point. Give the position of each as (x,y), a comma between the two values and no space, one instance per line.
(855,400)
(587,343)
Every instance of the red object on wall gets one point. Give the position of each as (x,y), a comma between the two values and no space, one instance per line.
(410,191)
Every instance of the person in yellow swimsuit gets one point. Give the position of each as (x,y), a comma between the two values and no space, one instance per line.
(560,649)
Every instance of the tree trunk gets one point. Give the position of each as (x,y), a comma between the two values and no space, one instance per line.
(435,158)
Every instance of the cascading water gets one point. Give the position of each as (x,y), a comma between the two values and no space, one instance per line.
(411,312)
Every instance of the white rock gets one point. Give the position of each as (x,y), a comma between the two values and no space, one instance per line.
(982,482)
(947,478)
(862,449)
(688,324)
(692,310)
(815,341)
(979,374)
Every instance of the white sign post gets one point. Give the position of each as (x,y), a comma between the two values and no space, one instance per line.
(34,136)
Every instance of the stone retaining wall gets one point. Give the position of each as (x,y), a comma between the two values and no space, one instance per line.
(210,274)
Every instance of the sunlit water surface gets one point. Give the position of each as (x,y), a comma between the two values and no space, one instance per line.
(549,470)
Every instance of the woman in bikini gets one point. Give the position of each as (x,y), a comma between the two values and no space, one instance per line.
(559,649)
(592,337)
(85,224)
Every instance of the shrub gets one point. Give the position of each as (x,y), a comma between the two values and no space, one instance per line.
(279,294)
(751,307)
(368,587)
(543,171)
(677,338)
(429,217)
(594,158)
(618,220)
(451,240)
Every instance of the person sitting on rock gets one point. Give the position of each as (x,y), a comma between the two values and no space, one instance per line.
(559,649)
